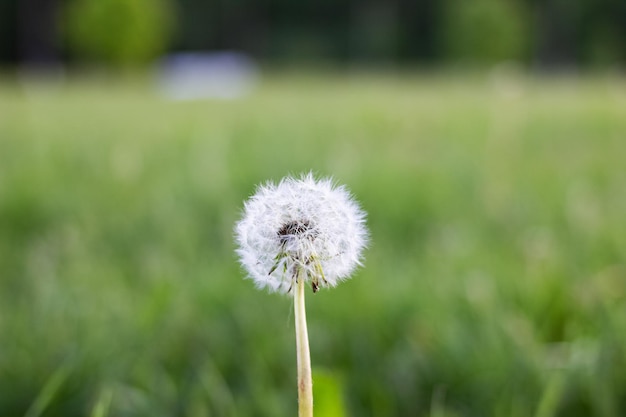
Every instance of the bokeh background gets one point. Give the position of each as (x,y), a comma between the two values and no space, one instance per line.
(537,33)
(486,139)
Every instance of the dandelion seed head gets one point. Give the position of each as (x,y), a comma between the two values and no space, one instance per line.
(300,224)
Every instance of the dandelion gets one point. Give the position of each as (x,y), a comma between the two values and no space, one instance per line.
(301,231)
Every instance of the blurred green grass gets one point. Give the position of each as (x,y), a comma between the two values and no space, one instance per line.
(494,286)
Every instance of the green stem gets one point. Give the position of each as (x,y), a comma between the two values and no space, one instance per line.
(305,383)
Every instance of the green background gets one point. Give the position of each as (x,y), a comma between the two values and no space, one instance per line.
(494,284)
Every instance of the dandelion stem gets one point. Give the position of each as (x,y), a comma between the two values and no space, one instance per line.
(305,383)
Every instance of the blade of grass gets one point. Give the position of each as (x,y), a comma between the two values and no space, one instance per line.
(48,392)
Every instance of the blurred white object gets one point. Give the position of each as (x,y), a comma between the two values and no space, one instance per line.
(222,75)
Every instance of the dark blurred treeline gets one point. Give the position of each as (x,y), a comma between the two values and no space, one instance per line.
(537,33)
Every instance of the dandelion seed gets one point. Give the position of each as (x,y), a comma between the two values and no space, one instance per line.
(301,224)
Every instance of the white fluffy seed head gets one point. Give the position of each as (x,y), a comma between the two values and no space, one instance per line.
(301,227)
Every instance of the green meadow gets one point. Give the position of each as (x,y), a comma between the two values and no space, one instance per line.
(494,284)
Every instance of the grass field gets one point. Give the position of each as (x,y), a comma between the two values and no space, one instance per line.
(495,283)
